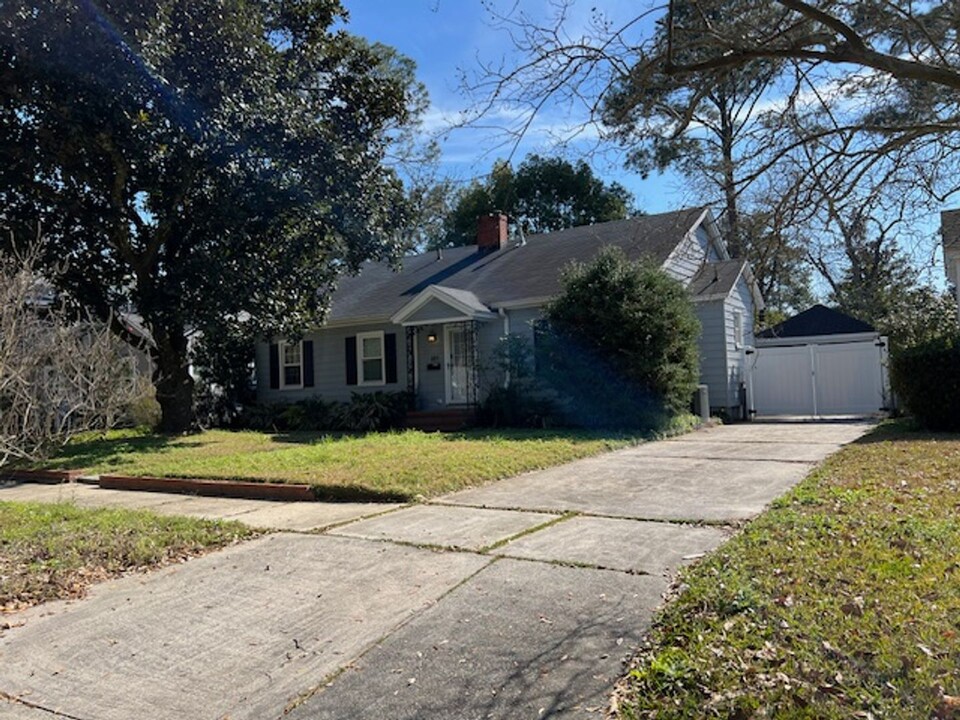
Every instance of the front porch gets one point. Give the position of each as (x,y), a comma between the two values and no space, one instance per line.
(445,330)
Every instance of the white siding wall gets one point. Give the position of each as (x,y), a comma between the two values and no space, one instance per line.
(330,370)
(739,301)
(713,353)
(330,366)
(690,255)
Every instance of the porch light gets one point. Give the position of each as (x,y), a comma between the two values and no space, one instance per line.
(432,338)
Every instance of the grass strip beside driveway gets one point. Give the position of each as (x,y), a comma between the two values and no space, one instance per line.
(56,551)
(841,601)
(390,466)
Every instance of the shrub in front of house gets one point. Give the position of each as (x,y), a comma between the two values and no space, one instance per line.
(926,380)
(368,412)
(525,401)
(619,344)
(365,412)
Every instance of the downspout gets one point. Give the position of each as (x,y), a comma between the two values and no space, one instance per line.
(506,333)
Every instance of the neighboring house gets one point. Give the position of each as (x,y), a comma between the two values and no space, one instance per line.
(950,232)
(431,327)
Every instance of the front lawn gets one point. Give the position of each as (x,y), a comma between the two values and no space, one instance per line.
(50,552)
(842,601)
(378,466)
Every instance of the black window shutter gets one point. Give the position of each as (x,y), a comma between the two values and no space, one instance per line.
(390,353)
(308,363)
(351,355)
(274,367)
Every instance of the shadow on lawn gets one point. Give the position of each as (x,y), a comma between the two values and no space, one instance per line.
(97,450)
(520,435)
(357,494)
(303,437)
(904,430)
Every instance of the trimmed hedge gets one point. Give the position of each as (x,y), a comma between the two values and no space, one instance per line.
(365,412)
(926,379)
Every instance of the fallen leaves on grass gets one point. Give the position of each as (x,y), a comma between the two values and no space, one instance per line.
(57,551)
(841,601)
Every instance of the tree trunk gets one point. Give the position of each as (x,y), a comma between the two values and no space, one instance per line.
(173,382)
(727,132)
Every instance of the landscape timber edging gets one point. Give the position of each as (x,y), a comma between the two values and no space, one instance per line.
(210,488)
(46,477)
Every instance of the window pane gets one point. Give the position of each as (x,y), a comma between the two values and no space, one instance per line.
(371,348)
(291,354)
(291,375)
(372,370)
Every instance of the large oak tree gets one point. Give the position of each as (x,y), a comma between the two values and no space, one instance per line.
(200,160)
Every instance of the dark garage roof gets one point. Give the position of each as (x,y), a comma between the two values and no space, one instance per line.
(514,272)
(818,320)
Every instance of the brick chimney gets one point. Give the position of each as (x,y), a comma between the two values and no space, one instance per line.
(491,232)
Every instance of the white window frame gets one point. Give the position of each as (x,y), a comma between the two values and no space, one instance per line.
(737,329)
(360,358)
(281,359)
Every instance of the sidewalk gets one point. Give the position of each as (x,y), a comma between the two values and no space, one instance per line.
(520,599)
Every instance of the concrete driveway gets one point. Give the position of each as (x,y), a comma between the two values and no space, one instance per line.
(520,599)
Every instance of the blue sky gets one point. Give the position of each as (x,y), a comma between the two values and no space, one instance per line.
(447,37)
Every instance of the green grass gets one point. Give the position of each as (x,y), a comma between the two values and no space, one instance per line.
(841,601)
(55,551)
(379,466)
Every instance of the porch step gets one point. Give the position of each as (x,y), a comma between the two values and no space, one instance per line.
(440,420)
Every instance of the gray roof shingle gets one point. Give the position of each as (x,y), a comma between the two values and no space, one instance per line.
(716,279)
(514,272)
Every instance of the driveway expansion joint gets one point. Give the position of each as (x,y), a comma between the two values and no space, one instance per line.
(331,677)
(15,700)
(732,523)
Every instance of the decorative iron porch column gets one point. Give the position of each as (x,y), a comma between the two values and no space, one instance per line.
(412,335)
(473,352)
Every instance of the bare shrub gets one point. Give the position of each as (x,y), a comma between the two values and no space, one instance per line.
(61,373)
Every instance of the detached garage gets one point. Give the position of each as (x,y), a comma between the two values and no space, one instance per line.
(819,363)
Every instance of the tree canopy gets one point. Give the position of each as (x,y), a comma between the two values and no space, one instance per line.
(195,160)
(839,93)
(542,194)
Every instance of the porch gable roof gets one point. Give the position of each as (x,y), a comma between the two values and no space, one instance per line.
(462,304)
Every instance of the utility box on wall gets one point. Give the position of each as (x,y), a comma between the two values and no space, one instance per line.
(701,403)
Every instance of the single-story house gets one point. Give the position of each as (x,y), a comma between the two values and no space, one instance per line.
(821,362)
(430,328)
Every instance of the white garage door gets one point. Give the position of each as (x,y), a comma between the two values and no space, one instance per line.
(831,379)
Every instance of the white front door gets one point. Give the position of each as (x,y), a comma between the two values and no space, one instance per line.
(457,365)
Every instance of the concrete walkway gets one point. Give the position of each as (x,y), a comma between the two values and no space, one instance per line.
(519,599)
